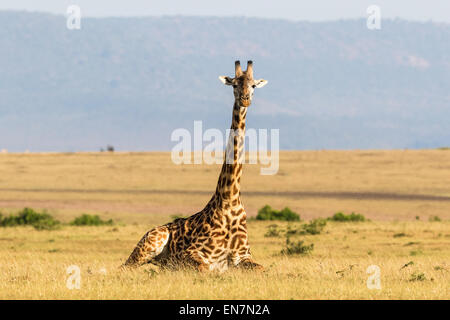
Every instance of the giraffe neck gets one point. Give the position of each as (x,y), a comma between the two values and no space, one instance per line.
(229,184)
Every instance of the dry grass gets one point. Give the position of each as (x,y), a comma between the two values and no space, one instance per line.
(33,265)
(143,190)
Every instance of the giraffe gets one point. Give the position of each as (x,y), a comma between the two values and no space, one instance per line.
(216,237)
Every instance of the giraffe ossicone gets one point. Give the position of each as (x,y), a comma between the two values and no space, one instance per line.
(215,238)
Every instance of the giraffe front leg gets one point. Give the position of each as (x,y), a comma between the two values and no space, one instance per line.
(149,247)
(242,258)
(249,264)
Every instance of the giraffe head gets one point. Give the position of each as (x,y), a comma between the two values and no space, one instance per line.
(243,84)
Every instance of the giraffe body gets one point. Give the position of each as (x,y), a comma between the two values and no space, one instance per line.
(216,237)
(212,239)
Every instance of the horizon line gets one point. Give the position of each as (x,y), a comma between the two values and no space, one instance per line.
(345,19)
(28,152)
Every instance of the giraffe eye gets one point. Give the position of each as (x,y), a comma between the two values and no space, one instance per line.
(234,86)
(254,86)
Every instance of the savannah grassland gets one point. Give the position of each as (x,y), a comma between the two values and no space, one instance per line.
(397,190)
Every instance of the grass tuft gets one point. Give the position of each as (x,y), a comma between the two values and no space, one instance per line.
(418,276)
(401,235)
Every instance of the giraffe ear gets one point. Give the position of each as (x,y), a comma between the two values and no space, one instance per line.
(260,83)
(226,80)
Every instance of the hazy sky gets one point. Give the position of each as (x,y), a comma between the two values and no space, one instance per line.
(436,10)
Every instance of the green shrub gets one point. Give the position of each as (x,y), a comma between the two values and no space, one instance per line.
(90,220)
(267,213)
(314,227)
(434,219)
(342,217)
(297,247)
(40,221)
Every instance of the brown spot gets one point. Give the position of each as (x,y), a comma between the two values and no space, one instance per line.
(228,220)
(218,233)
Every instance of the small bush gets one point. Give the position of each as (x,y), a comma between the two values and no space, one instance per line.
(90,220)
(434,219)
(297,247)
(40,221)
(273,231)
(314,227)
(342,217)
(267,213)
(418,276)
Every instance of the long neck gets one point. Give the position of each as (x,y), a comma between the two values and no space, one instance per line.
(229,184)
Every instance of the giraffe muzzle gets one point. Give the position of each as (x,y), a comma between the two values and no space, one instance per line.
(245,102)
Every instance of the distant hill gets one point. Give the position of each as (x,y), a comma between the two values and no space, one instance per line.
(129,82)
